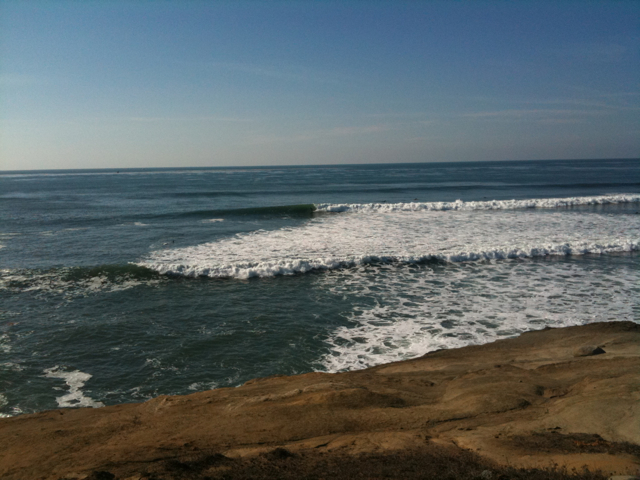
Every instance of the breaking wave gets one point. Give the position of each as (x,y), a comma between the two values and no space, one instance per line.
(77,281)
(480,205)
(472,231)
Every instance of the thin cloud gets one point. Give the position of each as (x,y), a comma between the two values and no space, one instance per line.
(622,94)
(320,134)
(397,115)
(528,113)
(560,121)
(285,73)
(608,102)
(597,52)
(190,119)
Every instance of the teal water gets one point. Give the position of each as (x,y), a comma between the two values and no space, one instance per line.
(120,286)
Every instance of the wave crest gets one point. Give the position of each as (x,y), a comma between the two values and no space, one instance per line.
(338,241)
(479,205)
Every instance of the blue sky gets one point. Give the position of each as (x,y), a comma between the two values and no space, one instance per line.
(115,84)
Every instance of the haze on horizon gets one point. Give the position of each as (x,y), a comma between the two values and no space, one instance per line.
(114,84)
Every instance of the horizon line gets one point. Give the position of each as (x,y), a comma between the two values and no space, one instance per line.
(220,167)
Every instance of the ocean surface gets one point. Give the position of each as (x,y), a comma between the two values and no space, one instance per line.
(118,286)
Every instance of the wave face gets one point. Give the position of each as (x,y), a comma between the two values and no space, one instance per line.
(73,282)
(411,233)
(304,210)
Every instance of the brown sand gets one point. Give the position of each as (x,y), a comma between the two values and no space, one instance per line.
(532,401)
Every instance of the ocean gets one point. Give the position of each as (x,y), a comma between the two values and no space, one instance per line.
(121,285)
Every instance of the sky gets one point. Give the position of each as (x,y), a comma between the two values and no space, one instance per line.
(117,84)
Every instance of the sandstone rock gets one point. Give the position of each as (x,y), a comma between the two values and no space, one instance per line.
(454,399)
(587,351)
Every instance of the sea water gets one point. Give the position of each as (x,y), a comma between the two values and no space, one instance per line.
(117,286)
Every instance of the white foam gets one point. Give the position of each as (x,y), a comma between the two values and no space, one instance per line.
(16,367)
(159,366)
(4,343)
(402,313)
(201,386)
(7,236)
(484,205)
(21,195)
(55,282)
(213,220)
(361,237)
(3,403)
(75,380)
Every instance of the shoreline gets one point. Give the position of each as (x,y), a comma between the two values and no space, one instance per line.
(532,401)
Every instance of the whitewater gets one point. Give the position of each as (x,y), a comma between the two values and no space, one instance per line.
(482,205)
(118,286)
(410,233)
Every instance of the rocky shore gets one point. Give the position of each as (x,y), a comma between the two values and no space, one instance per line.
(567,397)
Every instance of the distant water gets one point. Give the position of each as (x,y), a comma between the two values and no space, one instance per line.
(120,286)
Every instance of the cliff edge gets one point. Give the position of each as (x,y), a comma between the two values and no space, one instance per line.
(568,397)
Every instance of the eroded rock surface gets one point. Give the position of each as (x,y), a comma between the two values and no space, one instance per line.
(486,399)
